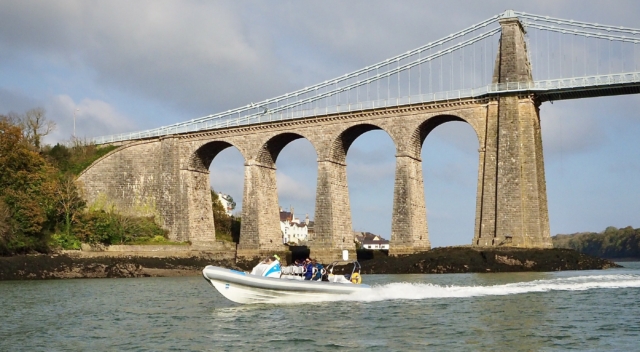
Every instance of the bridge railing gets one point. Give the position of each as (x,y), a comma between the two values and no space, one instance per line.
(566,84)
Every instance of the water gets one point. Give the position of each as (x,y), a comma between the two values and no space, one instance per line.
(588,310)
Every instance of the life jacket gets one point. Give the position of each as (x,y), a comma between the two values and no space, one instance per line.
(356,278)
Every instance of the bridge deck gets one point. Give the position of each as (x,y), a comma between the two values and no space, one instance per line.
(545,90)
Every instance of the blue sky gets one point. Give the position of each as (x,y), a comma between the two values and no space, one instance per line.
(132,66)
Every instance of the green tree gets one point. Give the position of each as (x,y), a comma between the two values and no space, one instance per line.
(5,228)
(611,243)
(221,220)
(27,185)
(69,201)
(227,227)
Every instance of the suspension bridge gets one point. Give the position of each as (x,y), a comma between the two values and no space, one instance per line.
(569,59)
(493,75)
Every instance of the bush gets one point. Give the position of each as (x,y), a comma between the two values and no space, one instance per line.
(65,241)
(112,228)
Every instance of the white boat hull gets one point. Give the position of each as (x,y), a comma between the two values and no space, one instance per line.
(241,287)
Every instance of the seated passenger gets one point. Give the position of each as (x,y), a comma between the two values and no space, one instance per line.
(309,269)
(317,276)
(269,267)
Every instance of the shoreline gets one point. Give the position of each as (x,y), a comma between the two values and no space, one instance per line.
(437,261)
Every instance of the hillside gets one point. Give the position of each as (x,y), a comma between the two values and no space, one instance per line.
(612,243)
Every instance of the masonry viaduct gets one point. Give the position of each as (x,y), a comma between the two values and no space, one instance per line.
(171,174)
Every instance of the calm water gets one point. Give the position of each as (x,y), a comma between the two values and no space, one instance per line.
(589,310)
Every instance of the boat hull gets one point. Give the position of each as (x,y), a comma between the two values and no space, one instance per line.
(241,287)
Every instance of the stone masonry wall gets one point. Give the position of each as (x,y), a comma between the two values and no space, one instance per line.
(331,136)
(512,203)
(139,178)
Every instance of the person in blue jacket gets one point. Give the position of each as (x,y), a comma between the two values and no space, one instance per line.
(308,266)
(319,268)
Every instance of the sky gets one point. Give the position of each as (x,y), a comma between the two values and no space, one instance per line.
(125,66)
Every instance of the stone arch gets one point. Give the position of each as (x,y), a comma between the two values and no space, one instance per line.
(195,190)
(201,158)
(333,222)
(340,145)
(464,222)
(420,134)
(260,227)
(268,153)
(409,226)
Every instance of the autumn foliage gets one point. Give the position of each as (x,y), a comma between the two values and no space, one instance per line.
(41,206)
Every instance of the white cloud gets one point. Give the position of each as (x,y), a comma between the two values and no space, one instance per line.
(92,118)
(292,190)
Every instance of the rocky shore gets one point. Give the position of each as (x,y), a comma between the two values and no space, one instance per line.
(58,266)
(439,260)
(472,260)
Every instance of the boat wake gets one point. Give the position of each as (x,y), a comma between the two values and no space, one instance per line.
(418,291)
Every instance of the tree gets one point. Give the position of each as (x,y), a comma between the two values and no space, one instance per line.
(220,218)
(35,126)
(27,185)
(5,228)
(69,200)
(232,203)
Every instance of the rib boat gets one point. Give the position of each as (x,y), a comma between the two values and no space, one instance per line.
(271,283)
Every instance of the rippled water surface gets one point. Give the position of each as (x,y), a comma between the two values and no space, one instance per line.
(588,310)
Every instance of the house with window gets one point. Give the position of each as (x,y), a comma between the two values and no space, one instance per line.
(381,243)
(227,203)
(367,240)
(293,230)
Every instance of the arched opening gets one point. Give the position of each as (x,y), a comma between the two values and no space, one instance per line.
(225,165)
(226,177)
(370,158)
(274,223)
(450,171)
(296,176)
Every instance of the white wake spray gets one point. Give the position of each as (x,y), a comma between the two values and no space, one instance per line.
(416,291)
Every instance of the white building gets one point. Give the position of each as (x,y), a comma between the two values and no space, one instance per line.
(227,203)
(368,240)
(376,244)
(293,231)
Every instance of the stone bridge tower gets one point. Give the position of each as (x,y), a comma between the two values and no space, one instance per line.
(512,196)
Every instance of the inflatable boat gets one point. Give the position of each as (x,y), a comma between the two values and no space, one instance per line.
(271,283)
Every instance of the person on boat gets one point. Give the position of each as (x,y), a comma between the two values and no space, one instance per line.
(308,266)
(317,276)
(269,267)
